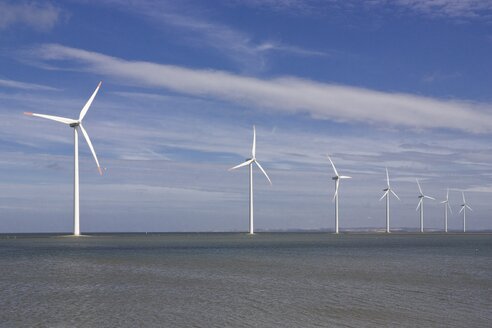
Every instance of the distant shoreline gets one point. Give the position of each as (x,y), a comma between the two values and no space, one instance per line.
(264,232)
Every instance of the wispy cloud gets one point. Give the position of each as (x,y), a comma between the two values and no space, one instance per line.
(468,9)
(38,15)
(274,46)
(24,85)
(438,76)
(197,30)
(449,8)
(285,6)
(287,94)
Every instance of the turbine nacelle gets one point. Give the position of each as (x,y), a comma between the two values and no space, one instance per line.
(337,178)
(341,177)
(76,123)
(388,189)
(252,160)
(446,201)
(464,205)
(422,195)
(421,198)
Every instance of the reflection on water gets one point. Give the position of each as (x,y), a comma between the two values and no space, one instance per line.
(235,280)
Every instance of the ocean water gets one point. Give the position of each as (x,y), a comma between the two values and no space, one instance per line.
(236,280)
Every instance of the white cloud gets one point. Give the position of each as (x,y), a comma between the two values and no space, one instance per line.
(438,77)
(468,9)
(291,6)
(485,189)
(287,94)
(450,8)
(41,16)
(275,46)
(24,85)
(200,31)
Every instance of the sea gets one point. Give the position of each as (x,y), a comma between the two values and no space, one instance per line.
(238,280)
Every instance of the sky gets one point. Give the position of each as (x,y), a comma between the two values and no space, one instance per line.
(402,84)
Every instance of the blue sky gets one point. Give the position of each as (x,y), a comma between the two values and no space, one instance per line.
(404,84)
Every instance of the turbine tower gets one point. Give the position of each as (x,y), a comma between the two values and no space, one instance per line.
(250,162)
(464,206)
(337,179)
(446,206)
(386,194)
(421,205)
(76,124)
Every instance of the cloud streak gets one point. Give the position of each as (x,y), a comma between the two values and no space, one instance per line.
(236,45)
(290,95)
(40,16)
(449,8)
(468,9)
(24,85)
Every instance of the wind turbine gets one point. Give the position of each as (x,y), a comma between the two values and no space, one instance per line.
(250,162)
(464,206)
(421,205)
(386,194)
(446,206)
(337,179)
(76,124)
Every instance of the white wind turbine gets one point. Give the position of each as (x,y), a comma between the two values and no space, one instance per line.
(464,206)
(421,205)
(386,194)
(75,124)
(337,178)
(446,206)
(250,162)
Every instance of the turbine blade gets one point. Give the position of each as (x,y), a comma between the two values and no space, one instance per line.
(387,178)
(429,197)
(337,186)
(249,161)
(86,136)
(468,207)
(462,208)
(419,204)
(447,195)
(52,118)
(253,150)
(420,189)
(463,194)
(262,170)
(449,206)
(333,165)
(394,193)
(345,177)
(89,102)
(384,195)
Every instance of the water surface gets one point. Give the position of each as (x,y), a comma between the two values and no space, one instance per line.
(236,280)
